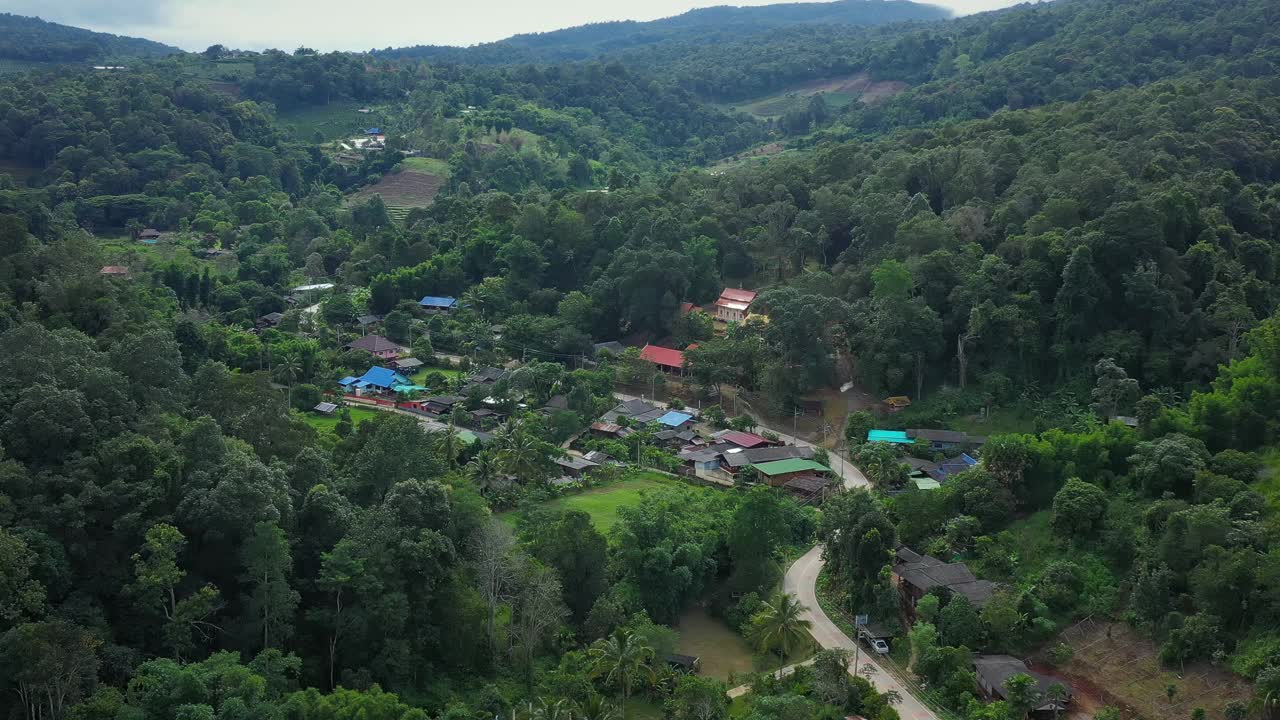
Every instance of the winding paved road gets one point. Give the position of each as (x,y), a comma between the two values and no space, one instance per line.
(801,580)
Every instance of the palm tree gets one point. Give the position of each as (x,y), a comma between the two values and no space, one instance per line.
(779,626)
(288,372)
(596,707)
(450,445)
(485,471)
(622,659)
(519,451)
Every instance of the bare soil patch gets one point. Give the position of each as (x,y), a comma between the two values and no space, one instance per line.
(407,189)
(1114,665)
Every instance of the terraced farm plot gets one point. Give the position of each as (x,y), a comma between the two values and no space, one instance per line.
(404,191)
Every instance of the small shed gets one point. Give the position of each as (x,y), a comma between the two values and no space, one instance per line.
(438,304)
(325,408)
(408,364)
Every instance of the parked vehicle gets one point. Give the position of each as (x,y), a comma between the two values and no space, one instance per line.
(879,646)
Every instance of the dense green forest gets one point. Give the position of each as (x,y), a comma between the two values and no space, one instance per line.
(701,26)
(1070,215)
(33,39)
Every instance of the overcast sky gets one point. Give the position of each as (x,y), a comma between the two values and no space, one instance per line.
(353,25)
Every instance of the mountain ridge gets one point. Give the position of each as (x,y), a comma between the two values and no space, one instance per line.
(34,39)
(711,24)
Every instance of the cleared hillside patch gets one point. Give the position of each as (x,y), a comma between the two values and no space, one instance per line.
(407,189)
(838,92)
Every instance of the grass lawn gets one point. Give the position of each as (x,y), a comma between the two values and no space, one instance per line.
(602,503)
(332,121)
(421,375)
(326,423)
(435,166)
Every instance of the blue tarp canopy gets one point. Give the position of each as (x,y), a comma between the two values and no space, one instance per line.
(436,301)
(674,419)
(373,131)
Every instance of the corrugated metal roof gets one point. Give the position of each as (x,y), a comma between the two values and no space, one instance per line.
(781,467)
(662,356)
(897,437)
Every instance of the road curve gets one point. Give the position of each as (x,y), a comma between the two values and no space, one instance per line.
(801,581)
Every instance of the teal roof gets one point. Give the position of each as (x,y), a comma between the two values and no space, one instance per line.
(897,437)
(926,483)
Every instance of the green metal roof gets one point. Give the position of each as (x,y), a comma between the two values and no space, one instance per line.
(926,483)
(781,467)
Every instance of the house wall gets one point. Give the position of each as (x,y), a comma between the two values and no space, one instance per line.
(730,315)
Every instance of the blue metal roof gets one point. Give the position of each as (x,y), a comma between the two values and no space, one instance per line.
(675,419)
(384,378)
(438,301)
(348,380)
(373,131)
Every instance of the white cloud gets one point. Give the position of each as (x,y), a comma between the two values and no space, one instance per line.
(344,25)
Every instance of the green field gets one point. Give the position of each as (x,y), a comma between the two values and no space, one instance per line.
(327,423)
(603,503)
(332,121)
(422,374)
(435,166)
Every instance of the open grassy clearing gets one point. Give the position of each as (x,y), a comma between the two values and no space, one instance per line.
(327,423)
(837,91)
(422,374)
(603,503)
(433,166)
(331,122)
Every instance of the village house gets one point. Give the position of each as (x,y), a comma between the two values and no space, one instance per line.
(149,236)
(734,304)
(780,472)
(375,380)
(406,364)
(377,345)
(119,271)
(636,411)
(612,347)
(915,575)
(437,305)
(994,671)
(269,320)
(744,439)
(676,420)
(738,457)
(667,360)
(575,467)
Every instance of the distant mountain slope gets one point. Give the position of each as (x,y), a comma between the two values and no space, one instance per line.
(715,24)
(35,40)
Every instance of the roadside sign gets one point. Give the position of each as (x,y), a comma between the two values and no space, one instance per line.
(861,620)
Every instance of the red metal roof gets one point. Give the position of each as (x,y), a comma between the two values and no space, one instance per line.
(738,295)
(743,439)
(665,357)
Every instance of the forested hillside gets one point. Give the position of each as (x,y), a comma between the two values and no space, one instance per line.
(33,39)
(702,26)
(1062,237)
